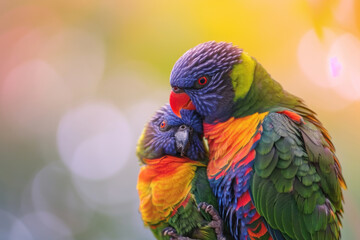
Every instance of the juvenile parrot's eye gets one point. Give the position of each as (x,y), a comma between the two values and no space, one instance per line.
(163,126)
(201,82)
(177,90)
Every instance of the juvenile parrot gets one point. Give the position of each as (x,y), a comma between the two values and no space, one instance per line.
(272,165)
(172,182)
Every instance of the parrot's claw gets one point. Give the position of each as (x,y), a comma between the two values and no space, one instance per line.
(216,222)
(171,232)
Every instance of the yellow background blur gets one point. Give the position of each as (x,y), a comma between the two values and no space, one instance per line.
(78,80)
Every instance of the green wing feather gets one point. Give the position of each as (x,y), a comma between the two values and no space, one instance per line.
(188,221)
(158,231)
(202,190)
(297,182)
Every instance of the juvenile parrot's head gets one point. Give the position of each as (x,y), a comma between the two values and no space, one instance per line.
(209,77)
(167,134)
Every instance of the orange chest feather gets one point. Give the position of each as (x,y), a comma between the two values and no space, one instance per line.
(231,142)
(163,185)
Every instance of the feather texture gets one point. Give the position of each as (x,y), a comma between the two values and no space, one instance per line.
(161,194)
(169,191)
(296,186)
(272,164)
(230,169)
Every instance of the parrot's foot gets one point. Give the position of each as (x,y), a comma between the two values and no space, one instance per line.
(216,222)
(169,231)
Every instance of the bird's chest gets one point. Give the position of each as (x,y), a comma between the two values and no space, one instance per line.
(232,153)
(164,186)
(231,144)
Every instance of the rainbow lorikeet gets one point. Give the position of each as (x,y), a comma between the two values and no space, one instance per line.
(175,195)
(272,165)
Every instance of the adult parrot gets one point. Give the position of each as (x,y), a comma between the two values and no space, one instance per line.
(172,183)
(272,165)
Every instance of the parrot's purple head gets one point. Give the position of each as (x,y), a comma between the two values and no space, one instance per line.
(200,79)
(167,134)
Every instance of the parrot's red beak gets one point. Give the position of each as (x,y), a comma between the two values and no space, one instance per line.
(180,101)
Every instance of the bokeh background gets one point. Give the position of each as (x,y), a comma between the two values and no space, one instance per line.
(79,78)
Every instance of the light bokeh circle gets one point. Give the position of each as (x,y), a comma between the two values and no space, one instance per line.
(44,225)
(94,140)
(312,56)
(52,192)
(344,57)
(31,97)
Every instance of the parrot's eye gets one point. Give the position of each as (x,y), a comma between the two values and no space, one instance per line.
(201,82)
(163,126)
(177,90)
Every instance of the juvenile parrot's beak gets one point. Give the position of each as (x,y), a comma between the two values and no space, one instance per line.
(182,137)
(180,101)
